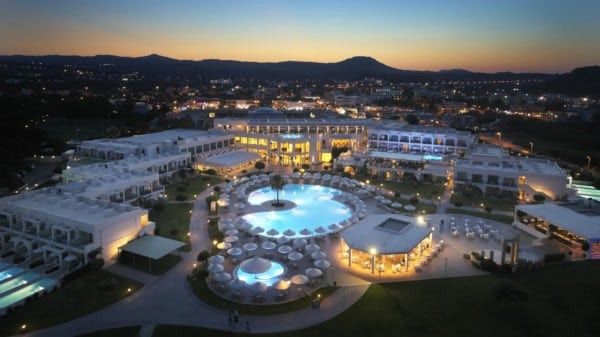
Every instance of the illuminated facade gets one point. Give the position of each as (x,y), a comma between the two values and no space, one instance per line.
(295,141)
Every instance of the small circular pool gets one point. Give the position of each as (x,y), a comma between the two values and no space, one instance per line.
(314,208)
(257,269)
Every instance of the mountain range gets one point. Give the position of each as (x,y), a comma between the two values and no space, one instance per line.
(581,81)
(354,68)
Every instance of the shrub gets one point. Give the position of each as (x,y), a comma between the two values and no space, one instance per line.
(202,256)
(159,206)
(414,200)
(217,189)
(107,284)
(554,257)
(539,198)
(181,197)
(488,209)
(508,292)
(213,172)
(458,203)
(396,194)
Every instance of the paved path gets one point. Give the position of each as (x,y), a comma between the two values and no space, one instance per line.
(168,299)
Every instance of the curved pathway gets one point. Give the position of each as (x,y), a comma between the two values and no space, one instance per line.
(168,299)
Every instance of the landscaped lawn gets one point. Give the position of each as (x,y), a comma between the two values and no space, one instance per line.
(483,214)
(173,221)
(477,200)
(560,300)
(94,290)
(192,186)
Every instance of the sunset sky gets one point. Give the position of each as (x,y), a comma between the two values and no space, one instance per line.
(508,35)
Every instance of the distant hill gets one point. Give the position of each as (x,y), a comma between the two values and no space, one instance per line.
(584,81)
(350,69)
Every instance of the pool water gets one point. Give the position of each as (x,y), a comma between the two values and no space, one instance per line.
(17,282)
(314,208)
(269,277)
(20,294)
(10,272)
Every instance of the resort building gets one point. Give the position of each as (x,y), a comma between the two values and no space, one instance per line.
(491,169)
(61,228)
(298,141)
(379,242)
(575,225)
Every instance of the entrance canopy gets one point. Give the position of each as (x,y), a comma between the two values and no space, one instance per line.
(152,246)
(230,159)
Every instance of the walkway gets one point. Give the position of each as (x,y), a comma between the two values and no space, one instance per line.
(168,299)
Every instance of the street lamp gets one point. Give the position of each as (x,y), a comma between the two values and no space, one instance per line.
(373,251)
(589,163)
(530,147)
(499,134)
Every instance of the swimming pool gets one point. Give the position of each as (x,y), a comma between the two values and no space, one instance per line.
(21,294)
(16,282)
(314,208)
(10,272)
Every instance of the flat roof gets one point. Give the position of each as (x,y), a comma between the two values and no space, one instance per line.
(386,233)
(230,159)
(152,246)
(580,222)
(396,156)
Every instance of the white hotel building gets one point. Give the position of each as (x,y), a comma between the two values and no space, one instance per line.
(62,227)
(491,169)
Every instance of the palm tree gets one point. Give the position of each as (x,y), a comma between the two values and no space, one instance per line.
(277,184)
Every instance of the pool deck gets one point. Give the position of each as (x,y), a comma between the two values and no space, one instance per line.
(168,299)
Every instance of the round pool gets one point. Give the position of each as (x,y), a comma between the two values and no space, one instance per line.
(314,208)
(257,269)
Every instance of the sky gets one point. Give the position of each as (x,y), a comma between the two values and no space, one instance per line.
(552,36)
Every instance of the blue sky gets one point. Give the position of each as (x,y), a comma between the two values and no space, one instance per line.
(509,35)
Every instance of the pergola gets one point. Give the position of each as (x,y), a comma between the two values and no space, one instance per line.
(151,247)
(387,234)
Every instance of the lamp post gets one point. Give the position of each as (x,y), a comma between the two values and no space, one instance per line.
(530,148)
(373,251)
(589,163)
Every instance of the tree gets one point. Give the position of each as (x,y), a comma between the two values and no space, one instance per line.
(305,166)
(412,119)
(277,184)
(259,165)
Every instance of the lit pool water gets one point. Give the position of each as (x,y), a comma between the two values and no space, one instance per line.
(22,293)
(314,208)
(269,277)
(10,272)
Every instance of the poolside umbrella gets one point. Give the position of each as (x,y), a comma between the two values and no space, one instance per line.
(282,240)
(289,232)
(313,272)
(379,197)
(253,177)
(255,265)
(259,287)
(227,226)
(268,245)
(236,283)
(299,279)
(285,249)
(318,255)
(295,256)
(296,175)
(307,175)
(250,246)
(282,285)
(334,227)
(322,264)
(257,230)
(244,225)
(216,259)
(235,251)
(312,247)
(215,268)
(386,201)
(272,232)
(223,245)
(222,277)
(240,205)
(299,243)
(231,238)
(306,231)
(396,205)
(231,231)
(317,176)
(320,230)
(410,208)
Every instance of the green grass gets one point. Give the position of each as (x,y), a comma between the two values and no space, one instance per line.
(483,214)
(207,296)
(477,200)
(425,190)
(192,186)
(560,300)
(173,222)
(73,300)
(128,331)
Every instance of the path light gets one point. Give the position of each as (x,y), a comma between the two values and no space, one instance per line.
(24,327)
(129,290)
(195,265)
(215,242)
